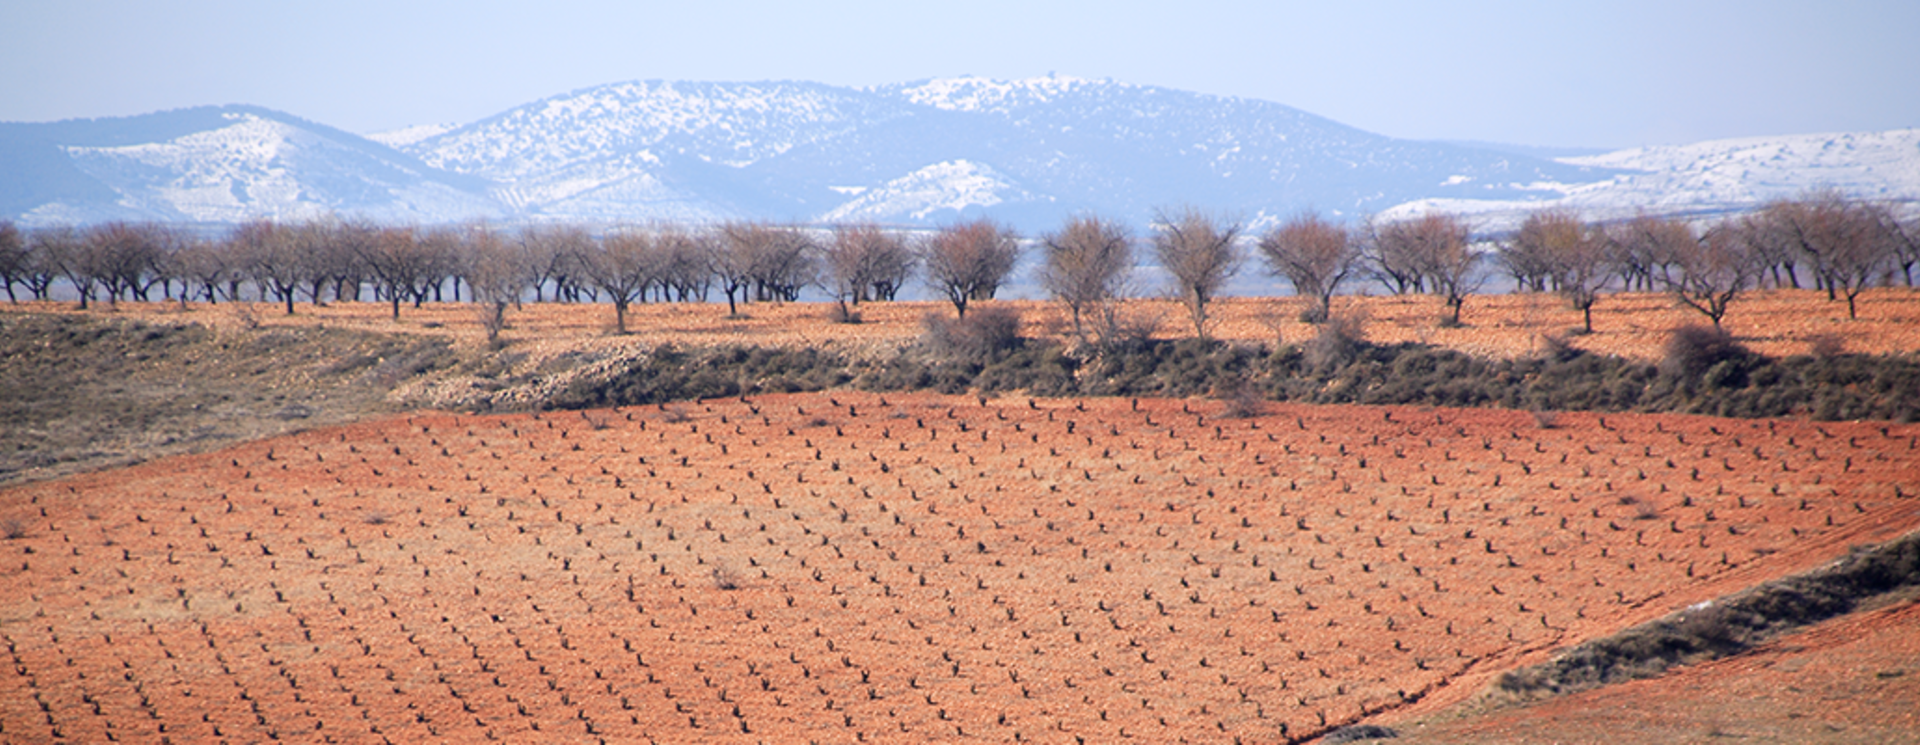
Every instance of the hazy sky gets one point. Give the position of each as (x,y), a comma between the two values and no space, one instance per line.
(1607,74)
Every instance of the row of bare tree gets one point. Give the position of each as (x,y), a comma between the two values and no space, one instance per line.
(1842,246)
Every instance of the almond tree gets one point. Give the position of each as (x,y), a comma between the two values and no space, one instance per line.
(1708,273)
(397,263)
(621,265)
(1529,255)
(550,256)
(757,260)
(1435,247)
(1394,263)
(1844,240)
(731,255)
(1643,249)
(1087,266)
(204,267)
(1198,251)
(1904,235)
(13,257)
(1315,255)
(496,277)
(1556,248)
(865,262)
(1581,268)
(969,261)
(686,272)
(783,263)
(273,258)
(42,267)
(124,258)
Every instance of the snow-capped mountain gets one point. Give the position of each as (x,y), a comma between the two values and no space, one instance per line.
(218,165)
(1027,152)
(1716,177)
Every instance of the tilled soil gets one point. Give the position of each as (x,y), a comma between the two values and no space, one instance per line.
(900,568)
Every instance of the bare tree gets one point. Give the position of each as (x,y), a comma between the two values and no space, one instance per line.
(1198,250)
(1393,263)
(1529,256)
(1315,255)
(1087,266)
(1904,235)
(1643,249)
(732,252)
(1435,246)
(397,263)
(324,255)
(1708,273)
(864,262)
(273,258)
(204,268)
(1555,249)
(969,261)
(1580,261)
(622,265)
(496,276)
(69,254)
(783,264)
(124,258)
(42,268)
(686,272)
(1845,242)
(14,257)
(762,261)
(549,254)
(439,255)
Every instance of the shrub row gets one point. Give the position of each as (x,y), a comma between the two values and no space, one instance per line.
(1725,381)
(1726,626)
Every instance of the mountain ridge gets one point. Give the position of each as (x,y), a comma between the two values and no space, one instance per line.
(1027,151)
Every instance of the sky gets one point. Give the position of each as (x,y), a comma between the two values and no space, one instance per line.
(1621,73)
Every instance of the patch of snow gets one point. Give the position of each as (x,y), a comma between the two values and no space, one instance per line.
(404,136)
(257,167)
(949,185)
(1710,178)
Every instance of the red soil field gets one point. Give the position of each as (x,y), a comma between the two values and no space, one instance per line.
(844,567)
(1854,679)
(1635,325)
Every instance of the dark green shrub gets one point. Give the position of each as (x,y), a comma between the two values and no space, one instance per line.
(988,333)
(1692,351)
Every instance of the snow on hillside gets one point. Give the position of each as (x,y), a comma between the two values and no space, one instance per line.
(258,167)
(1027,151)
(950,186)
(1714,177)
(404,136)
(727,124)
(988,95)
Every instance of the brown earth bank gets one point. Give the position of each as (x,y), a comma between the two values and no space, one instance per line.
(849,566)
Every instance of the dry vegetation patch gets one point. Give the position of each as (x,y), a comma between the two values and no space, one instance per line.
(904,568)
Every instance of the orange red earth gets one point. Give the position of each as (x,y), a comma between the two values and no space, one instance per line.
(1635,325)
(843,567)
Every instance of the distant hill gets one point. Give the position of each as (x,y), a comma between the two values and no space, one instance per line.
(1027,152)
